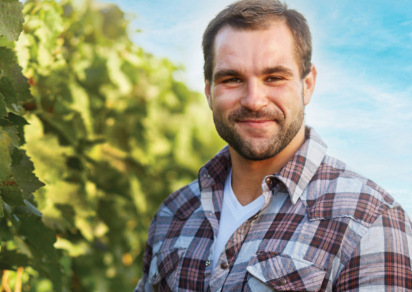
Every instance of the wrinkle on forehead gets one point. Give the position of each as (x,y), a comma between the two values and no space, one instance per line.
(276,47)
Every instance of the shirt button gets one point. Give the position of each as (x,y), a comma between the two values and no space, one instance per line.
(255,217)
(268,181)
(282,282)
(224,265)
(207,263)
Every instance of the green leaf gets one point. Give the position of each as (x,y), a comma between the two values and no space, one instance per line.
(19,122)
(4,42)
(3,110)
(12,259)
(11,19)
(11,193)
(67,212)
(70,129)
(5,232)
(29,208)
(1,207)
(12,131)
(40,241)
(9,188)
(22,169)
(19,86)
(10,95)
(5,158)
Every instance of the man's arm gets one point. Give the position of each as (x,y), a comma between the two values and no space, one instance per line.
(143,285)
(382,260)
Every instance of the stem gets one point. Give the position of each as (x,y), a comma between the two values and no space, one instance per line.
(4,282)
(19,279)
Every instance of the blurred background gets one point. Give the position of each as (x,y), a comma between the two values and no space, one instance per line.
(117,121)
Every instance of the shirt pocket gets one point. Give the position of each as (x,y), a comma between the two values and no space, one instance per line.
(270,271)
(164,269)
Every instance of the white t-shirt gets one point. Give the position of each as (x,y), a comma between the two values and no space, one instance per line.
(233,215)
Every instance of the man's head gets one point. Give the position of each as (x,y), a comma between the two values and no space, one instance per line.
(256,15)
(256,84)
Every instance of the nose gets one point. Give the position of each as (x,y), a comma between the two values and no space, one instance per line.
(254,96)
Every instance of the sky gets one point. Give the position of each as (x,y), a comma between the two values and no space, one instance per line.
(362,105)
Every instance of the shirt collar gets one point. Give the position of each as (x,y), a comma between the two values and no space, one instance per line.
(298,172)
(295,175)
(215,171)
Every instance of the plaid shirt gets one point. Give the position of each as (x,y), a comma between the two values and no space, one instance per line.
(322,228)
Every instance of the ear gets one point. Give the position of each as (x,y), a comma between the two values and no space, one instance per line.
(208,93)
(309,85)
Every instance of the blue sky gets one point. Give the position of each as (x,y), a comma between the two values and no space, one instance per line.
(362,105)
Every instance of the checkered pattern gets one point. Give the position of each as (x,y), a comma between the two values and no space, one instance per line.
(322,228)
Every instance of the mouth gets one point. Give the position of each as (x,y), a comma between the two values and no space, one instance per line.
(255,122)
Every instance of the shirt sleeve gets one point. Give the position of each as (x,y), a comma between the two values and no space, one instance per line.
(382,259)
(143,284)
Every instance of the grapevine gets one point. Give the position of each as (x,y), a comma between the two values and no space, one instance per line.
(95,133)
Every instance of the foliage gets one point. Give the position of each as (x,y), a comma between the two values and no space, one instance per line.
(24,239)
(111,133)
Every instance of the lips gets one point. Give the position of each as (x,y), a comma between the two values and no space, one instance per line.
(255,121)
(256,124)
(258,118)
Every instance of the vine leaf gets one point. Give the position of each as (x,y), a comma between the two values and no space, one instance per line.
(11,19)
(22,170)
(1,207)
(40,240)
(5,159)
(11,259)
(9,190)
(10,96)
(3,110)
(18,122)
(13,86)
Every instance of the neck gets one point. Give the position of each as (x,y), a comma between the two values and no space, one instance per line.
(247,175)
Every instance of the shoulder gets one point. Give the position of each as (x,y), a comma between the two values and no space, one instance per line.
(336,191)
(173,212)
(181,203)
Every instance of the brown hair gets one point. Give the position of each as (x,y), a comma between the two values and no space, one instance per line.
(254,15)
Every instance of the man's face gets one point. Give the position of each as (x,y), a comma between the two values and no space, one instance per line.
(257,94)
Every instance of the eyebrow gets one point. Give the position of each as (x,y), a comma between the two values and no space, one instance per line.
(266,71)
(277,69)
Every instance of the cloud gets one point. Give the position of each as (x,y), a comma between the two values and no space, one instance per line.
(366,124)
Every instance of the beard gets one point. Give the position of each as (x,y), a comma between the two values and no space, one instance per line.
(258,148)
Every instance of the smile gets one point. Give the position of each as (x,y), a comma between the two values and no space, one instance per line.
(255,123)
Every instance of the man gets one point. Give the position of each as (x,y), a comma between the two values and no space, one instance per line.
(272,211)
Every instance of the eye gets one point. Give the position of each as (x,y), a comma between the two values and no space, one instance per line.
(274,78)
(232,80)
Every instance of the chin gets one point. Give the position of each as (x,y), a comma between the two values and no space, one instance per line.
(257,154)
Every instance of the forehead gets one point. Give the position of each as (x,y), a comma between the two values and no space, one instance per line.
(273,43)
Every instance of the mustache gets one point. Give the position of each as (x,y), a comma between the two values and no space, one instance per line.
(263,114)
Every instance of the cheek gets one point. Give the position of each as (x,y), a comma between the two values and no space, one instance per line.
(220,107)
(224,100)
(287,99)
